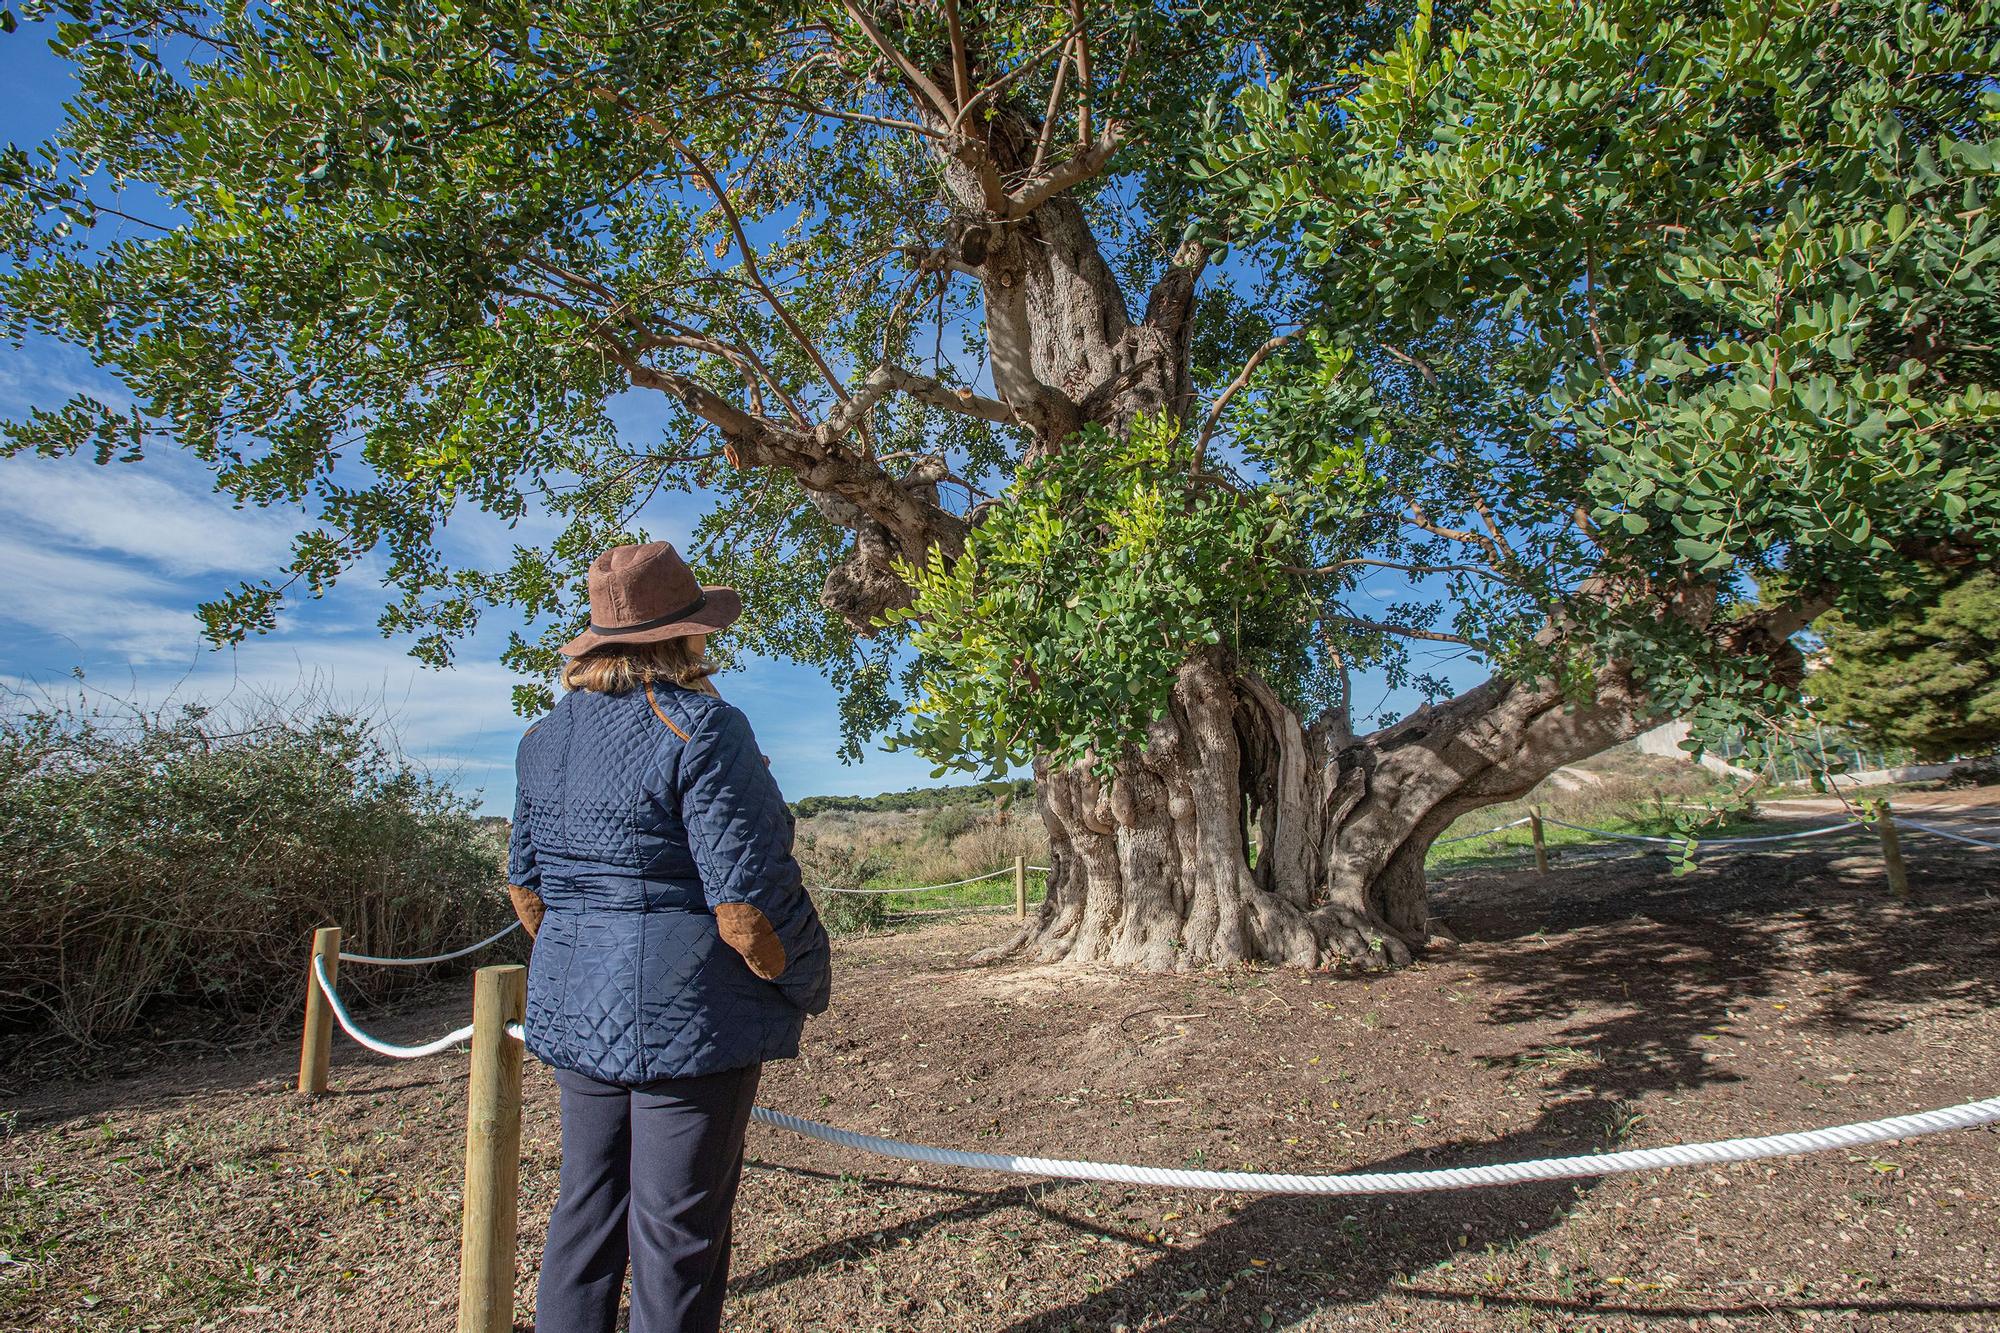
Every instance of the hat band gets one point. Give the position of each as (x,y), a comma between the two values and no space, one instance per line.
(611,631)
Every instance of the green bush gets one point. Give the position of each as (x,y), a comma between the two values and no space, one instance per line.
(148,857)
(830,865)
(948,821)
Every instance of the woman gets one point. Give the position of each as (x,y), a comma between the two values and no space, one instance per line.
(675,949)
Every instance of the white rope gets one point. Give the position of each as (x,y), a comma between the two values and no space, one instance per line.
(1946,833)
(1409,1182)
(926,888)
(1046,870)
(1965,1116)
(434,958)
(1708,842)
(1781,837)
(1500,828)
(374,1044)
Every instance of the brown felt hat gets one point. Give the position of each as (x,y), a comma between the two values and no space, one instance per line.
(643,594)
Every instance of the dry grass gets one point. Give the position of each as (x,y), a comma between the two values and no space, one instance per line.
(931,847)
(1592,1008)
(181,858)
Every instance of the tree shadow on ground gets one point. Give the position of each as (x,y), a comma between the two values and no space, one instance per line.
(1649,972)
(970,1205)
(1286,1256)
(1648,976)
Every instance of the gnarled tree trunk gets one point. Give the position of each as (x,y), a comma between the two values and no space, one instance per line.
(1238,833)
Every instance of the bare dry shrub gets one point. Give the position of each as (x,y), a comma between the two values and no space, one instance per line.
(831,865)
(175,855)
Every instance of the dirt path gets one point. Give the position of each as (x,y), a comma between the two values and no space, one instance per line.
(1609,1004)
(1971,812)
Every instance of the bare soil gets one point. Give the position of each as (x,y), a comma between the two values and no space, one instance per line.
(1607,1004)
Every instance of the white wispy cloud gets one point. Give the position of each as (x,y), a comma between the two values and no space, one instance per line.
(177,528)
(102,567)
(93,603)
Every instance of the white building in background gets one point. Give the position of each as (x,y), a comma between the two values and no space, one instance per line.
(1665,741)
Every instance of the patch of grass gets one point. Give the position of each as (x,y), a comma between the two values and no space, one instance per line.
(1547,1057)
(1621,791)
(849,913)
(847,850)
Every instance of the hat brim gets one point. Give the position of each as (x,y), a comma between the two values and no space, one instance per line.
(719,610)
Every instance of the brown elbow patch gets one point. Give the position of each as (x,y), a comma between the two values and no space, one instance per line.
(748,931)
(528,907)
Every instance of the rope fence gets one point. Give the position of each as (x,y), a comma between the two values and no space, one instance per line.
(1713,842)
(497,1037)
(1020,870)
(926,888)
(1967,1115)
(1486,833)
(454,955)
(376,1044)
(1947,833)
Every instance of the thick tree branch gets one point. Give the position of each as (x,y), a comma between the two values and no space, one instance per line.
(961,74)
(887,379)
(822,467)
(1082,54)
(919,81)
(1050,116)
(1087,162)
(1419,519)
(938,260)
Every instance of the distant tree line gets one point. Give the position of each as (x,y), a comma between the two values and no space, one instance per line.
(1003,792)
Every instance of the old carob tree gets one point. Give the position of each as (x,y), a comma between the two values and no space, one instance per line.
(1107,382)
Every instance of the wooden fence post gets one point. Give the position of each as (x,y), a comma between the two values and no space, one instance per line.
(1892,851)
(492,1153)
(1021,887)
(1541,847)
(316,1047)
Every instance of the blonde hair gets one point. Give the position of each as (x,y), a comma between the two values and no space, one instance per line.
(620,669)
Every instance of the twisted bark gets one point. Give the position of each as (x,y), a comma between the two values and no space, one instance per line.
(1238,833)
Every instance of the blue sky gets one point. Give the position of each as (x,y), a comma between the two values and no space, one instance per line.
(101,569)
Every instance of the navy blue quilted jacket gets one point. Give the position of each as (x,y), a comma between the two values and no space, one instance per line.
(678,940)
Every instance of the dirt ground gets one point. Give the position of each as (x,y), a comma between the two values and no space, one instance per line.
(1972,812)
(1607,1004)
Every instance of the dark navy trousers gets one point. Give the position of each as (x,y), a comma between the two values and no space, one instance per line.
(648,1177)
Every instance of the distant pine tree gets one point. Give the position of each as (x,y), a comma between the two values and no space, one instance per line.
(1928,677)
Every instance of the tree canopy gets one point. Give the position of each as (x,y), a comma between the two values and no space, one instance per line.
(1608,309)
(1062,342)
